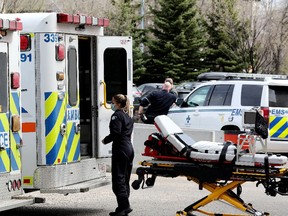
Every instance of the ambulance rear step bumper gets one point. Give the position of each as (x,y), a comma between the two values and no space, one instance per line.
(79,187)
(19,201)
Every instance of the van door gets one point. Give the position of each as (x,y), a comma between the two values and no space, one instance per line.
(5,161)
(72,134)
(114,75)
(215,114)
(188,114)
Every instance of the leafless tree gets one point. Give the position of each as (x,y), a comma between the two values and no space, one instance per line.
(16,6)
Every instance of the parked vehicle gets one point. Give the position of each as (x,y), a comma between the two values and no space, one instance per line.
(146,88)
(218,105)
(184,88)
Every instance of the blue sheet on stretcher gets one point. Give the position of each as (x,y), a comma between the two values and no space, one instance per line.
(177,145)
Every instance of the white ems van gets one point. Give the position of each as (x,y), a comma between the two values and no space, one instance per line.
(218,105)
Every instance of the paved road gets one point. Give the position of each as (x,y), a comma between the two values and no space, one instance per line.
(164,199)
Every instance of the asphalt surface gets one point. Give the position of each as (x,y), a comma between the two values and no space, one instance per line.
(164,199)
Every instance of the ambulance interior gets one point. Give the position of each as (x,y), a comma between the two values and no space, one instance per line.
(115,77)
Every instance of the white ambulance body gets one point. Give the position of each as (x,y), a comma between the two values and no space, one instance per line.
(70,73)
(10,118)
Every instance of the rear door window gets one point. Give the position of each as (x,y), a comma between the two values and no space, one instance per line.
(251,95)
(278,96)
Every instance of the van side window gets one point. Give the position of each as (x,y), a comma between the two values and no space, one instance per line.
(251,95)
(221,95)
(278,96)
(198,97)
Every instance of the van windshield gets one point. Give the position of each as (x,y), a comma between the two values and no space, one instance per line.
(278,96)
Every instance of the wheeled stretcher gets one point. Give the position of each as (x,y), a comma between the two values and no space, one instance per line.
(218,167)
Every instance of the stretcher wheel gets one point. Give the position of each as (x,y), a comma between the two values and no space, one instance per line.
(150,182)
(136,184)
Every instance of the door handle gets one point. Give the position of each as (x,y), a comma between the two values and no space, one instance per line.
(104,103)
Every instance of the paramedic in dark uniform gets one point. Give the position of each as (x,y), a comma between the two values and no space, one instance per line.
(159,103)
(121,127)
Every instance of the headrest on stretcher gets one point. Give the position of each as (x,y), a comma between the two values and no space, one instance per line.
(166,126)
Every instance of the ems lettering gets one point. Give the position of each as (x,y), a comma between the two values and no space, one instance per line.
(236,112)
(73,115)
(277,112)
(4,140)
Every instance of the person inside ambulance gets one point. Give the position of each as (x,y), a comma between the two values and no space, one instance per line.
(121,127)
(158,103)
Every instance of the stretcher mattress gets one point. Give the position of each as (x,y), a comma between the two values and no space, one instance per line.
(206,150)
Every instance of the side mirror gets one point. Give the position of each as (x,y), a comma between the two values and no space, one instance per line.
(179,101)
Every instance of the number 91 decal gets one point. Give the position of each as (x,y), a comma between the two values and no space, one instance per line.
(26,57)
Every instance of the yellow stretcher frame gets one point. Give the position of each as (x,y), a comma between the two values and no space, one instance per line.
(219,190)
(218,193)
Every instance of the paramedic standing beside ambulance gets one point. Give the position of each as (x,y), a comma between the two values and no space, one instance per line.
(121,127)
(159,103)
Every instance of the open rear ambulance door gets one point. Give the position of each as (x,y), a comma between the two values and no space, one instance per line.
(5,161)
(114,75)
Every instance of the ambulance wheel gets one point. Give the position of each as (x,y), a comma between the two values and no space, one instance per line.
(150,182)
(136,184)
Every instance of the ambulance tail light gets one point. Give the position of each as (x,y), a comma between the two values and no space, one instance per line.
(15,80)
(265,113)
(59,52)
(25,42)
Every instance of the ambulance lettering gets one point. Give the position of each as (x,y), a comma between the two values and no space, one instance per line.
(236,112)
(4,140)
(73,115)
(278,112)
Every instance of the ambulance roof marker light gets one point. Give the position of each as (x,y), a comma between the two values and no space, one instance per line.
(82,20)
(11,25)
(94,21)
(89,20)
(106,22)
(76,18)
(64,18)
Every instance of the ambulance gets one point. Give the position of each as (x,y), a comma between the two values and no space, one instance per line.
(10,115)
(70,71)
